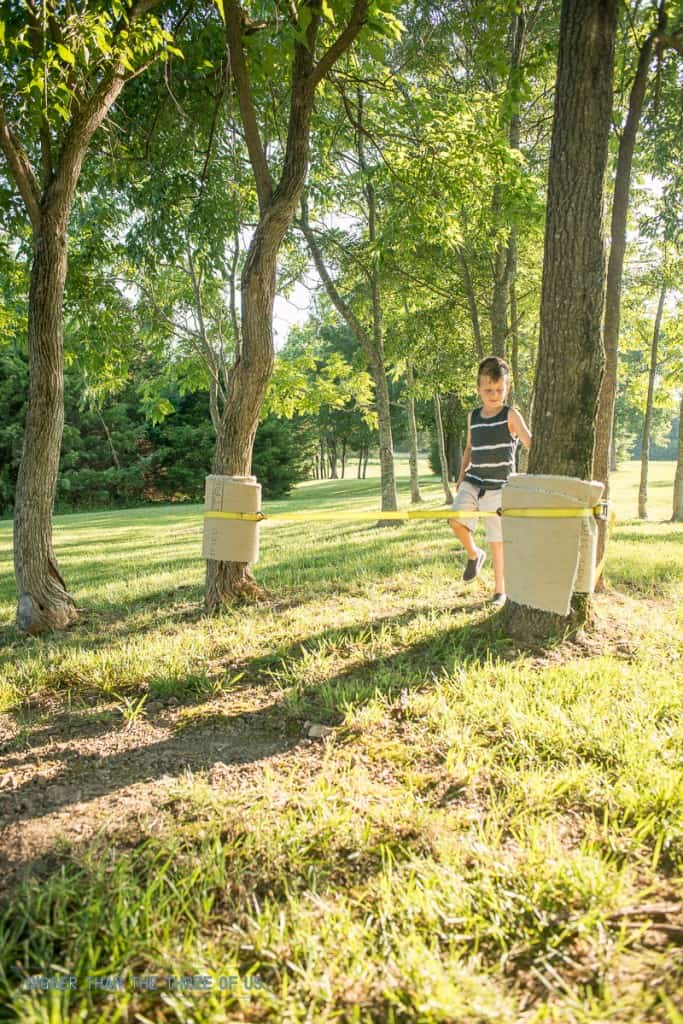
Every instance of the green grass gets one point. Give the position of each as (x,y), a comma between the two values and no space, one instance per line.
(479,840)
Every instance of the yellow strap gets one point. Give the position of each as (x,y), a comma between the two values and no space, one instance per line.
(532,513)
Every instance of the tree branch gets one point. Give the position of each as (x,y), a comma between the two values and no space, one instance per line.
(670,42)
(21,170)
(137,10)
(342,42)
(37,39)
(336,299)
(257,156)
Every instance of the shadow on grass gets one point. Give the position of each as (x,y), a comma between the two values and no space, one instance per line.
(349,557)
(471,642)
(253,735)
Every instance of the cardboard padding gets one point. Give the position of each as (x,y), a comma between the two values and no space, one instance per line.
(547,560)
(231,540)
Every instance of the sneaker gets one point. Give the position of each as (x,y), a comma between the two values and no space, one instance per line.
(473,567)
(498,600)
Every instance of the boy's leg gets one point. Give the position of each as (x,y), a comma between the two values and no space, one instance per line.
(464,535)
(467,500)
(498,565)
(490,502)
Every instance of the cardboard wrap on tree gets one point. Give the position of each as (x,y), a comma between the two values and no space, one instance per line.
(231,540)
(548,559)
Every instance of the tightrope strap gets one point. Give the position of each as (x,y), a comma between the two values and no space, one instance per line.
(531,513)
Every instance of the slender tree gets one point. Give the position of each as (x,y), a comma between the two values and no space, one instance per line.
(647,420)
(441,441)
(64,65)
(615,265)
(415,495)
(677,514)
(279,181)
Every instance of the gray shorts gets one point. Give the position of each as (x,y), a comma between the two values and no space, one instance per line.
(467,500)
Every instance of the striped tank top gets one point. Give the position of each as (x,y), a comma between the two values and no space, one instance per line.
(493,450)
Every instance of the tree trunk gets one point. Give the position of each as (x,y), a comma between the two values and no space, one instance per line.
(415,495)
(613,452)
(615,268)
(44,603)
(505,262)
(443,462)
(248,377)
(386,443)
(647,423)
(454,452)
(570,357)
(366,456)
(499,302)
(515,397)
(677,516)
(332,447)
(502,277)
(247,382)
(471,302)
(343,458)
(373,347)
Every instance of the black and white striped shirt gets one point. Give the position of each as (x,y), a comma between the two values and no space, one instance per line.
(493,450)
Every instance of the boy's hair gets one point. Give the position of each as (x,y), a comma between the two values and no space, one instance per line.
(493,367)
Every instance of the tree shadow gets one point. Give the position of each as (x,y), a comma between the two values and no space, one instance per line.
(253,735)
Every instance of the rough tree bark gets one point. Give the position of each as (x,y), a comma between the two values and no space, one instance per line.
(677,514)
(647,422)
(248,378)
(44,603)
(615,268)
(570,357)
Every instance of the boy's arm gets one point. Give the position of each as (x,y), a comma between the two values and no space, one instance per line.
(466,455)
(518,427)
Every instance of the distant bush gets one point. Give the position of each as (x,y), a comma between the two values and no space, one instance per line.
(283,453)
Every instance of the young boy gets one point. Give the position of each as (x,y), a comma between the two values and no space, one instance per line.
(493,431)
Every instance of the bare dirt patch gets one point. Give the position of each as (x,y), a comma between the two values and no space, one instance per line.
(67,776)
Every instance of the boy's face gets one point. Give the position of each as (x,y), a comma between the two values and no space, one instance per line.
(493,392)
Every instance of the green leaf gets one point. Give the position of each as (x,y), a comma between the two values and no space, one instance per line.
(101,40)
(221,9)
(2,33)
(305,16)
(66,54)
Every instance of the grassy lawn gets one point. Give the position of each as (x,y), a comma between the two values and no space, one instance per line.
(488,832)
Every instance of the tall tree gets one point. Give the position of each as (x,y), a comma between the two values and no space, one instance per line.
(677,513)
(63,66)
(369,335)
(615,266)
(279,179)
(647,421)
(571,354)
